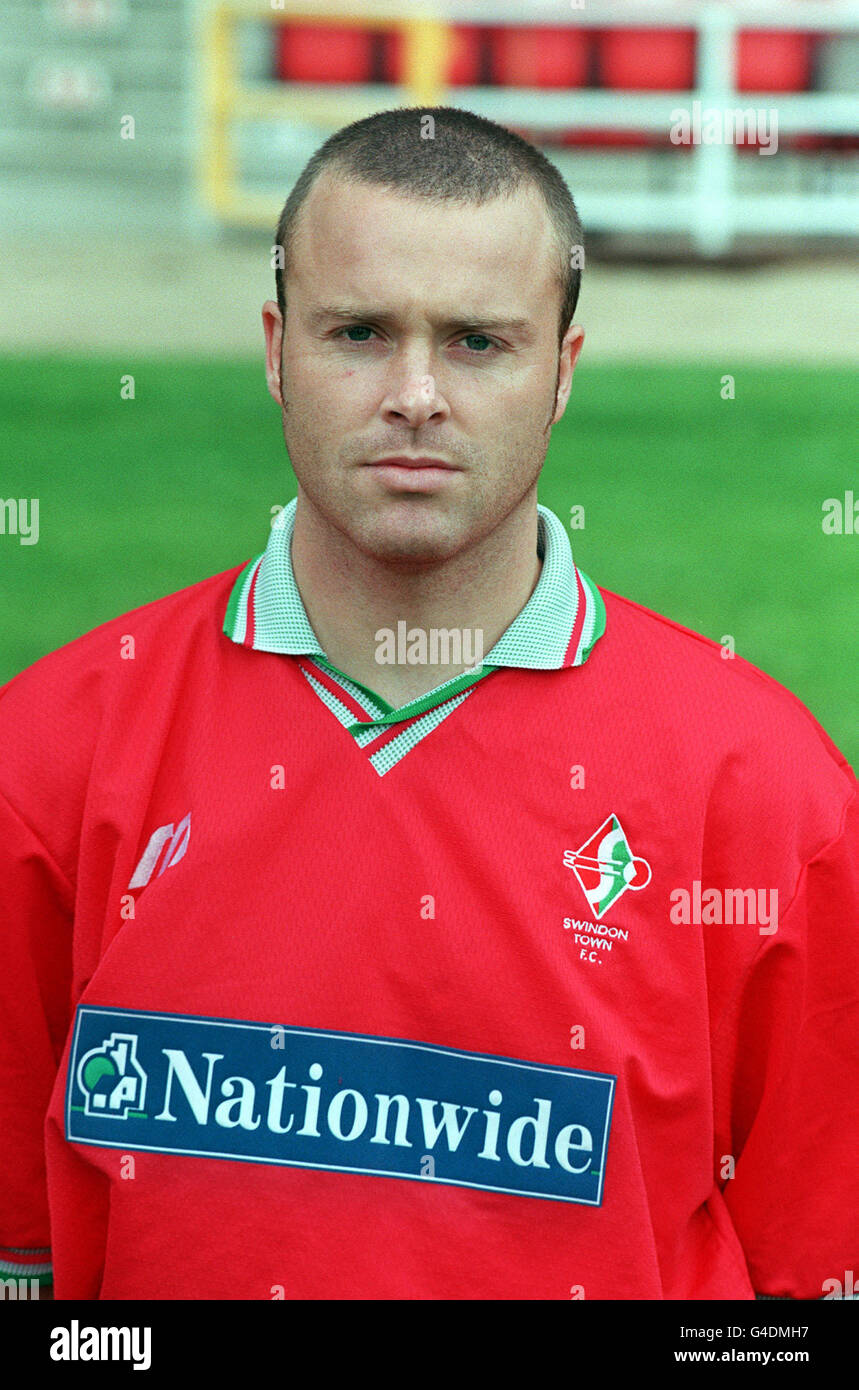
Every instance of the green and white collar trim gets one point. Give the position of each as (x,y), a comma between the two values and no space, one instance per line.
(559,625)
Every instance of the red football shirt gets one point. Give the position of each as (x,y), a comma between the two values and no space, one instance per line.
(563,1005)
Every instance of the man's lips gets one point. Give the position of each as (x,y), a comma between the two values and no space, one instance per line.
(406,461)
(404,473)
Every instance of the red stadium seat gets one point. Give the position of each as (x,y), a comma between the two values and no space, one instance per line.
(774,62)
(466,58)
(540,57)
(608,139)
(647,59)
(323,53)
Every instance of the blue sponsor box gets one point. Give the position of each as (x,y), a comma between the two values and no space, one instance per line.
(307,1097)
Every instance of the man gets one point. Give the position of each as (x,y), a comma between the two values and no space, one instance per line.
(411,918)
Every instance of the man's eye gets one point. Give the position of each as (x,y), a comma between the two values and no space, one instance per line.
(358,328)
(477,342)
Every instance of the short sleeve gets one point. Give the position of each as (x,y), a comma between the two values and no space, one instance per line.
(36,905)
(786,1082)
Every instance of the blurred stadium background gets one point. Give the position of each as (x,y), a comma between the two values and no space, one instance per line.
(147,148)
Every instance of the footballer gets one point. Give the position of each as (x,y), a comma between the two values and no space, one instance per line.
(412,917)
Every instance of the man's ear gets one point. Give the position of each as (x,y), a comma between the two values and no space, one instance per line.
(272,323)
(571,346)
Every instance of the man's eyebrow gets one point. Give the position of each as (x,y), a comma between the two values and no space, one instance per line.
(356,314)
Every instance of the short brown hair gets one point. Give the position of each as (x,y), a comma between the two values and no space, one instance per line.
(468,159)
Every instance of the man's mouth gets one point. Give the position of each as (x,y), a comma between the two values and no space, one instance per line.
(410,473)
(408,461)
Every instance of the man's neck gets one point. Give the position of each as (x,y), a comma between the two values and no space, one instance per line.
(350,597)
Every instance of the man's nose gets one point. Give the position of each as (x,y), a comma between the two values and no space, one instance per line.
(415,399)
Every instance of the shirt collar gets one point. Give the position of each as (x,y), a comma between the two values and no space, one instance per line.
(559,625)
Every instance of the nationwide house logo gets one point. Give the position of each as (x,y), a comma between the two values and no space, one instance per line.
(111,1079)
(606,866)
(343,1102)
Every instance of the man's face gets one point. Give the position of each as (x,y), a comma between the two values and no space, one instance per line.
(421,330)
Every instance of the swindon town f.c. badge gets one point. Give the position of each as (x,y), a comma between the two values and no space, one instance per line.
(606,866)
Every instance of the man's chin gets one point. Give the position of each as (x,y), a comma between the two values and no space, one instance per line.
(404,537)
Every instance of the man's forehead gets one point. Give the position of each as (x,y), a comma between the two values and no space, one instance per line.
(352,227)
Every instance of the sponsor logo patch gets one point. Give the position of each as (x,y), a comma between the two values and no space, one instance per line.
(310,1098)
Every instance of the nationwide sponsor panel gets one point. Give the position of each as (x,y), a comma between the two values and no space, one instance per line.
(307,1097)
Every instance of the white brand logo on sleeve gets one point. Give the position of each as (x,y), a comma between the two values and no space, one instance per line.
(177,836)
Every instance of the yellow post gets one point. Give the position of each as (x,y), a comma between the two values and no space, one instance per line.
(219,98)
(427,47)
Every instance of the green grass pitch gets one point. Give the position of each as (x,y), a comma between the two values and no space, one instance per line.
(705,509)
